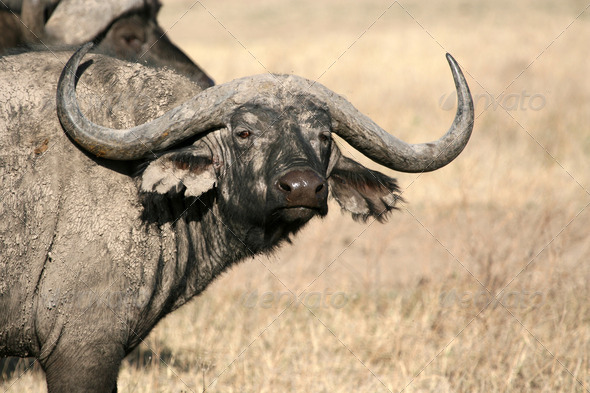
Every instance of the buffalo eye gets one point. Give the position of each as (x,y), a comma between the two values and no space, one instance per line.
(244,134)
(325,138)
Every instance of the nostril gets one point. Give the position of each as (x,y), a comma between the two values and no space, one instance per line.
(285,187)
(302,187)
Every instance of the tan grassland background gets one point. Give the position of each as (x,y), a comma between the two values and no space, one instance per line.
(405,306)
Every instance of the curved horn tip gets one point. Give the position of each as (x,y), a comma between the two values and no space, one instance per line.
(74,61)
(86,47)
(453,64)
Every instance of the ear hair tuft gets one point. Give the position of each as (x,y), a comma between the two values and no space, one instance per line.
(180,171)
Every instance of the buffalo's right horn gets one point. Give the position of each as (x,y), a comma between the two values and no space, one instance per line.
(205,111)
(380,146)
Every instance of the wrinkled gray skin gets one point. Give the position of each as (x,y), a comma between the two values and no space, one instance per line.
(94,252)
(72,229)
(133,36)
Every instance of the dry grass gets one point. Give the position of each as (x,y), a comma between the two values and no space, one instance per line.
(404,303)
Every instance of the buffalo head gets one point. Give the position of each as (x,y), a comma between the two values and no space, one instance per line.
(263,146)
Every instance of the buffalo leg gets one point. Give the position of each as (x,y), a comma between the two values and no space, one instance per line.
(85,367)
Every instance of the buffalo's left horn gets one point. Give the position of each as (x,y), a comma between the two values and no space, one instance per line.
(380,146)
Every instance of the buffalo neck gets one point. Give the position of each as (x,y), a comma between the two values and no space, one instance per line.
(196,245)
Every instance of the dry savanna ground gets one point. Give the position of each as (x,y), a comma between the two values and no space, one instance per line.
(480,283)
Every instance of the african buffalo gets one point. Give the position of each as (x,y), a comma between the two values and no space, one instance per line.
(126,29)
(156,187)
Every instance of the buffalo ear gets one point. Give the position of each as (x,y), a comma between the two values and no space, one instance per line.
(361,191)
(190,170)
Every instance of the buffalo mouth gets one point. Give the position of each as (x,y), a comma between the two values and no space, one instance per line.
(298,214)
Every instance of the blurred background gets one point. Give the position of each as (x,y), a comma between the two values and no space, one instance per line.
(479,283)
